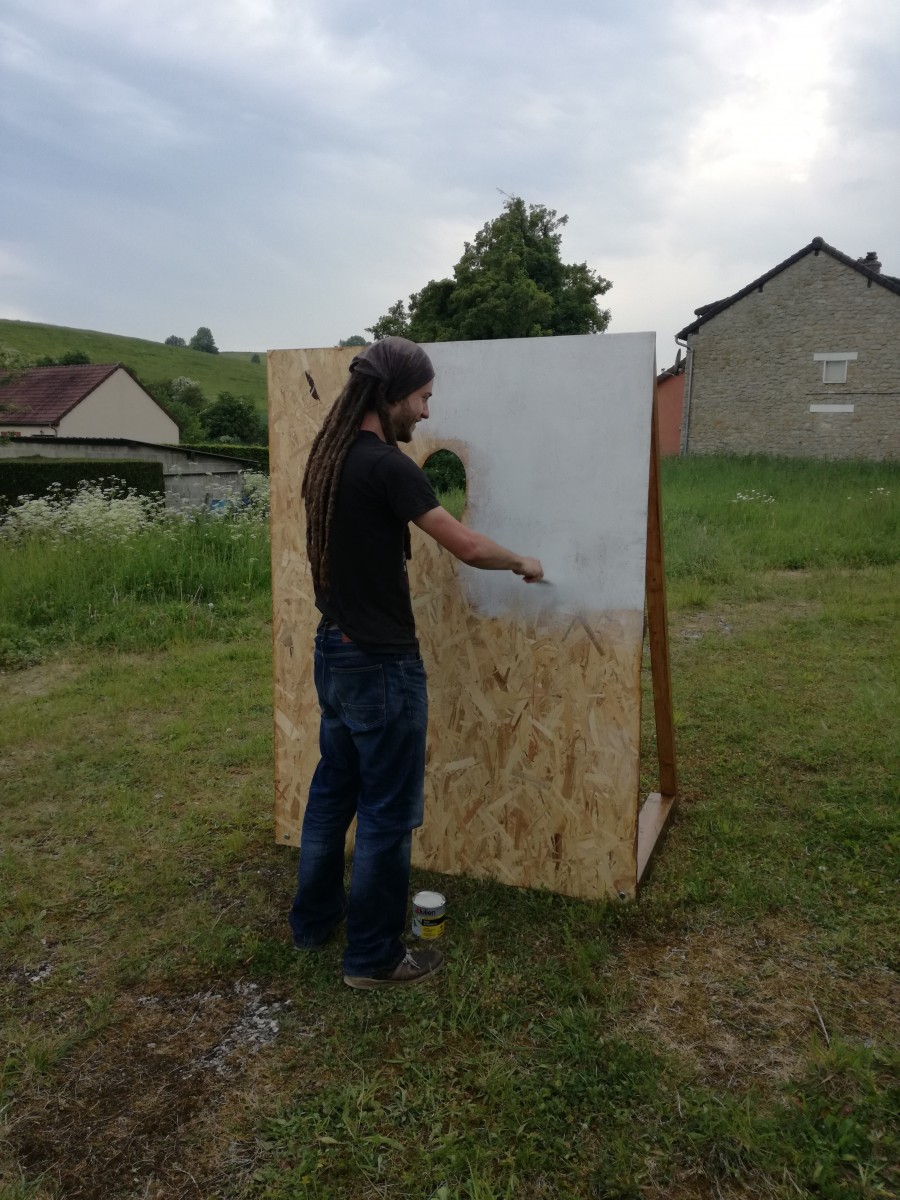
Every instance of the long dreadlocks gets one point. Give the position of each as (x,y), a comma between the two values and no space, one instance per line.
(380,375)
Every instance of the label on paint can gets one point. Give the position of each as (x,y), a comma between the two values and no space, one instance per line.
(428,915)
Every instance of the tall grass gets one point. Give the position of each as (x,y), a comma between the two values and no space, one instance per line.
(135,586)
(726,519)
(103,567)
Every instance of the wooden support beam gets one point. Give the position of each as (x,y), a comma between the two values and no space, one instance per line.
(656,808)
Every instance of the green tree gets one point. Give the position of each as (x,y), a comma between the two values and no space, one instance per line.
(174,340)
(234,419)
(12,364)
(510,282)
(394,323)
(203,340)
(183,399)
(356,339)
(180,390)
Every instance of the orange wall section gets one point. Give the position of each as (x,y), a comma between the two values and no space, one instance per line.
(670,394)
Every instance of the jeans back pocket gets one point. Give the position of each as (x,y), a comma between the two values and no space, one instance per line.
(361,694)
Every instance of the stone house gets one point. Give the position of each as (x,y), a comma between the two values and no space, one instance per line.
(90,401)
(803,361)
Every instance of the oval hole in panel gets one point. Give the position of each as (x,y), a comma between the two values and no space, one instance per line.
(448,478)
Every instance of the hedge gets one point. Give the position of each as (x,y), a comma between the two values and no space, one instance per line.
(35,476)
(258,454)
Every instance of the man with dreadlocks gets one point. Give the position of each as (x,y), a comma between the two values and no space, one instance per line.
(360,493)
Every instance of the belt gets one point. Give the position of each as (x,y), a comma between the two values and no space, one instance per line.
(331,627)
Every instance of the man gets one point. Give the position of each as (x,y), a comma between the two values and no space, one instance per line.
(360,493)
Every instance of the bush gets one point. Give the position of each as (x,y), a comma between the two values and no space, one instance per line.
(71,358)
(446,471)
(182,398)
(174,340)
(233,418)
(46,476)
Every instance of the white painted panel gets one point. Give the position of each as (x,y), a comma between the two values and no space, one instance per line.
(558,438)
(831,408)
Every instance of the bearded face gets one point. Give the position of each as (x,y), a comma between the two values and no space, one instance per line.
(408,412)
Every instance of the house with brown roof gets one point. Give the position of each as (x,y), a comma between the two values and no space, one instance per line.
(803,361)
(92,401)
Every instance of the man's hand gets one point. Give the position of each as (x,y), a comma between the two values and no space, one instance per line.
(530,569)
(475,549)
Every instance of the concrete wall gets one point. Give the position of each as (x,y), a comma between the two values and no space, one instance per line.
(753,382)
(191,478)
(119,408)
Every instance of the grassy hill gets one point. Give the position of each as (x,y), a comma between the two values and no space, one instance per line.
(150,361)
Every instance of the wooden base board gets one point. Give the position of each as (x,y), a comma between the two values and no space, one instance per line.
(651,822)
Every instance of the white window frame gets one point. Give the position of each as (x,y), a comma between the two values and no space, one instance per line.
(841,358)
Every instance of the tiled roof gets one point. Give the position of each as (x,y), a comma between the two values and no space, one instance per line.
(43,395)
(677,369)
(816,246)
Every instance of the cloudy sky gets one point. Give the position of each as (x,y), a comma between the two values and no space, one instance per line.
(282,171)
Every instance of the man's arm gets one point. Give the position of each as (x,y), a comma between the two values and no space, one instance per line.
(475,549)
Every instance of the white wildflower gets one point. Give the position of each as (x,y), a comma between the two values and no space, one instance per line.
(753,496)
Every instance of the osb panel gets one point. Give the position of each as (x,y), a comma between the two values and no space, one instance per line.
(297,408)
(532,772)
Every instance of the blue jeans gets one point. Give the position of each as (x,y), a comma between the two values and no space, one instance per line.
(374,716)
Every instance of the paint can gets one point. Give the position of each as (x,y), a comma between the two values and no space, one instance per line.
(428,915)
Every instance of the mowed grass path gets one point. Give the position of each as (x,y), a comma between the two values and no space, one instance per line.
(731,1034)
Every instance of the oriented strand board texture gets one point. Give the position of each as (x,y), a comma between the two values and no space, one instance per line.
(532,773)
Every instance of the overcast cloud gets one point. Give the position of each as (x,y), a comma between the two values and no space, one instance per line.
(283,170)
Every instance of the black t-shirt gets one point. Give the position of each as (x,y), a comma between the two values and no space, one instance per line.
(380,492)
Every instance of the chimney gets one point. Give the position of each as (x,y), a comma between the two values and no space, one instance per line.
(870,262)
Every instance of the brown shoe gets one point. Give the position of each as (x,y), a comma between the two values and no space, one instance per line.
(414,967)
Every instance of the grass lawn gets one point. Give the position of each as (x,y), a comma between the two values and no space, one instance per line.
(732,1034)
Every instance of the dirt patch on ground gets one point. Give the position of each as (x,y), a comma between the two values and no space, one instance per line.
(40,680)
(692,626)
(698,625)
(132,1112)
(743,1004)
